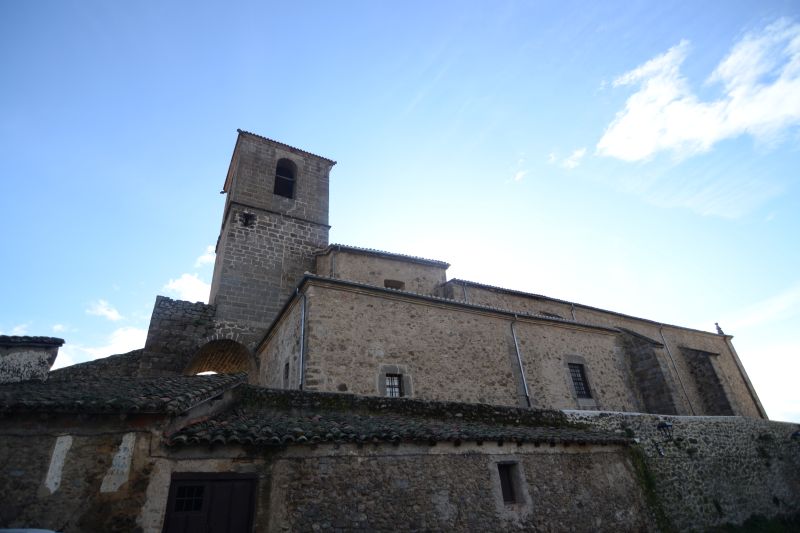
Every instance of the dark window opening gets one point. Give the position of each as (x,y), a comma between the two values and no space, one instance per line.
(285,178)
(394,284)
(285,374)
(248,219)
(506,471)
(189,498)
(578,374)
(394,385)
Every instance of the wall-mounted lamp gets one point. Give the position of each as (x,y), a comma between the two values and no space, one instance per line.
(665,428)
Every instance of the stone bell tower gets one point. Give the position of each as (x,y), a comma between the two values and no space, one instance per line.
(276,216)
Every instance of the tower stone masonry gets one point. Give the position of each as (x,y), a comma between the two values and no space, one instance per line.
(276,216)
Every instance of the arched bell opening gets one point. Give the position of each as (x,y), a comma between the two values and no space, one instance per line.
(222,357)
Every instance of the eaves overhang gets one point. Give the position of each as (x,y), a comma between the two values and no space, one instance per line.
(383,254)
(577,305)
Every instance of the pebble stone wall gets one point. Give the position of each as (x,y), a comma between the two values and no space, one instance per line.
(418,489)
(715,470)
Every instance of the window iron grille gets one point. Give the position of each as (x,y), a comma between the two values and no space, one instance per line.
(394,385)
(578,374)
(189,499)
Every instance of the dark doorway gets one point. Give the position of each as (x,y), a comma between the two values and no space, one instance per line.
(210,503)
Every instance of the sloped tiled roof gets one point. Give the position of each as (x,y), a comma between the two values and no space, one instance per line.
(266,417)
(382,253)
(167,395)
(118,365)
(495,288)
(245,132)
(25,340)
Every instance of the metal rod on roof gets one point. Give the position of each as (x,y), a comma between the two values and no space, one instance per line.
(519,362)
(669,353)
(302,338)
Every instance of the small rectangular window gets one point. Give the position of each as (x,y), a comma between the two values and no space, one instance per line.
(394,385)
(286,374)
(189,498)
(394,284)
(578,374)
(507,473)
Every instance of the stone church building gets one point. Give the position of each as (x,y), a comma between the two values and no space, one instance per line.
(362,390)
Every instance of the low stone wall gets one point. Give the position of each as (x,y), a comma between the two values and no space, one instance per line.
(72,480)
(176,326)
(121,365)
(105,473)
(715,470)
(179,329)
(450,489)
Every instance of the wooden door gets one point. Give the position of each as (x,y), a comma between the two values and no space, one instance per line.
(210,503)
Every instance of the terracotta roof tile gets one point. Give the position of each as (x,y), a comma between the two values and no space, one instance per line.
(245,132)
(267,417)
(25,340)
(382,253)
(169,395)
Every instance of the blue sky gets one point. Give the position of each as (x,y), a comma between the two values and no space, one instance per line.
(641,157)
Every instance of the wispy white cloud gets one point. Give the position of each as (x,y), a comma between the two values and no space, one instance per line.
(552,158)
(207,258)
(121,340)
(760,78)
(710,191)
(104,309)
(520,169)
(188,287)
(574,159)
(781,306)
(59,328)
(19,329)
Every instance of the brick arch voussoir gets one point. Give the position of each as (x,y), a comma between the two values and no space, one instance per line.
(221,354)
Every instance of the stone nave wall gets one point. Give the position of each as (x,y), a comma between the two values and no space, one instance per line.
(669,345)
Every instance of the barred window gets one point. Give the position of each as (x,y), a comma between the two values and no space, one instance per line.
(578,374)
(394,385)
(189,498)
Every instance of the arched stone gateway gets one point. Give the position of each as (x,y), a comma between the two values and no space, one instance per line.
(223,356)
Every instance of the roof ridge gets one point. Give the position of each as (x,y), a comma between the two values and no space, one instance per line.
(586,306)
(284,144)
(414,258)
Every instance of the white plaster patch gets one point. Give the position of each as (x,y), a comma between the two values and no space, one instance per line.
(57,460)
(120,468)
